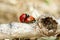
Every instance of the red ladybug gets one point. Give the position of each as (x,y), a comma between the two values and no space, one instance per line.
(22,17)
(26,18)
(30,19)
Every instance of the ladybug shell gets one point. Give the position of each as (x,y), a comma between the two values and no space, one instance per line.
(22,17)
(29,19)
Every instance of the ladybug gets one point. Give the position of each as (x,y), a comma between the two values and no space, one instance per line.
(29,19)
(23,17)
(26,18)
